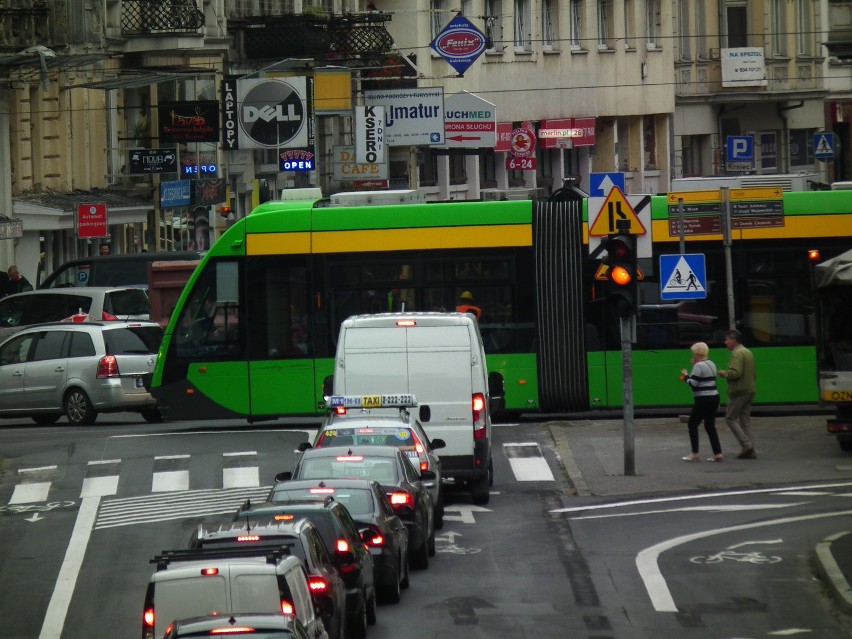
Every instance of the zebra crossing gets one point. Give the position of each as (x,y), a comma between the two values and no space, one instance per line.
(171,494)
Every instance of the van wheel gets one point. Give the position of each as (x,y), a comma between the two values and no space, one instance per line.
(46,420)
(78,408)
(479,490)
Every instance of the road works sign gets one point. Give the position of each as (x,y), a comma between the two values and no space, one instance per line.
(469,121)
(605,212)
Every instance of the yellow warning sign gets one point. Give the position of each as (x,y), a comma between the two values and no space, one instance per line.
(616,207)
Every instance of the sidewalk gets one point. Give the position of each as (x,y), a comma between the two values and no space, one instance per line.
(790,450)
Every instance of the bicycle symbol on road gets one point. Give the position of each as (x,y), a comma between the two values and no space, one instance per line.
(730,553)
(17,509)
(447,543)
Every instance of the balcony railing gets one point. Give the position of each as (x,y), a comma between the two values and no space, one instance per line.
(147,17)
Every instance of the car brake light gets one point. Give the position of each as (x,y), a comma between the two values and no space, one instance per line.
(340,410)
(346,458)
(424,465)
(107,367)
(283,517)
(248,538)
(478,407)
(235,630)
(406,323)
(342,545)
(209,572)
(317,584)
(322,491)
(107,316)
(287,607)
(148,618)
(376,539)
(401,498)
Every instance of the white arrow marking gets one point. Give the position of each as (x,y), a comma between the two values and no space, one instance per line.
(35,517)
(465,515)
(790,631)
(448,537)
(607,184)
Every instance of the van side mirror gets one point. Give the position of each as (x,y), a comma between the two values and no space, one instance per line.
(328,386)
(497,393)
(425,413)
(304,446)
(285,476)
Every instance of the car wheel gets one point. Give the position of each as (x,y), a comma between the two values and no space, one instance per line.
(78,408)
(358,624)
(46,420)
(371,609)
(420,558)
(152,415)
(845,443)
(432,544)
(406,572)
(479,490)
(439,511)
(391,592)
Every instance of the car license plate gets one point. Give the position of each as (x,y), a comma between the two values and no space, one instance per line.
(139,382)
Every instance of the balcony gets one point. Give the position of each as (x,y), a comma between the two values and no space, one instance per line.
(24,23)
(150,17)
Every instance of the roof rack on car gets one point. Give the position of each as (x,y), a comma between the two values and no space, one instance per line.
(273,555)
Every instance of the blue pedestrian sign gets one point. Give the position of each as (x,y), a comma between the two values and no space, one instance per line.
(824,146)
(600,184)
(683,277)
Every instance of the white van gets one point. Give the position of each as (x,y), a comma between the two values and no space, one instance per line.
(438,357)
(193,583)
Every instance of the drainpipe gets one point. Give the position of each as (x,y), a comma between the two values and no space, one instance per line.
(785,133)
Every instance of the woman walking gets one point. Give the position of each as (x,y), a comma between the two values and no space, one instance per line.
(702,379)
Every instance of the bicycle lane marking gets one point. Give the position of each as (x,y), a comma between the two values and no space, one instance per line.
(649,570)
(90,498)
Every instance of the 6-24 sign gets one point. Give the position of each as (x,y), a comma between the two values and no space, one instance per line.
(520,164)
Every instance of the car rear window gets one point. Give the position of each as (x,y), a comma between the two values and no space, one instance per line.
(398,436)
(358,501)
(131,301)
(133,340)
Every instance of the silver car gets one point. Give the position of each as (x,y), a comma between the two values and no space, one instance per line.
(79,370)
(54,305)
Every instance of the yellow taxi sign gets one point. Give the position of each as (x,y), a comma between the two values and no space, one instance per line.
(403,400)
(616,207)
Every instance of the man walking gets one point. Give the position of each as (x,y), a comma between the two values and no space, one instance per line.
(742,385)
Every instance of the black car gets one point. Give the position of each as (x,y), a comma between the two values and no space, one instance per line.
(303,540)
(341,537)
(381,529)
(390,467)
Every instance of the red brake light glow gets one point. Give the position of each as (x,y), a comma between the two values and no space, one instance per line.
(283,518)
(248,538)
(322,491)
(376,540)
(209,572)
(352,458)
(234,630)
(340,410)
(401,499)
(148,618)
(107,367)
(406,323)
(342,545)
(424,465)
(317,584)
(287,607)
(107,316)
(478,401)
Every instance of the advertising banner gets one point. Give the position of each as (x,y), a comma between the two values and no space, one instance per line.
(189,121)
(345,167)
(153,161)
(370,135)
(92,220)
(177,193)
(412,116)
(266,113)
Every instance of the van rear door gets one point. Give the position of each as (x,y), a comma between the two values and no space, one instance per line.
(189,596)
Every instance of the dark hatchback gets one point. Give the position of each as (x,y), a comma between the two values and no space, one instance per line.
(381,529)
(390,467)
(343,541)
(303,540)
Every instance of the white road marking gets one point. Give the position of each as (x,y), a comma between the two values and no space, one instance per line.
(526,468)
(30,493)
(465,513)
(57,609)
(655,583)
(240,477)
(711,509)
(99,486)
(170,481)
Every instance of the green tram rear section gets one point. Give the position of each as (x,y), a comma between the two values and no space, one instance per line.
(254,333)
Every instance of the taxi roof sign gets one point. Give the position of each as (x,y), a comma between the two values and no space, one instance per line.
(373,401)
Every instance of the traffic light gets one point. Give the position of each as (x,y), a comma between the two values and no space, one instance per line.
(621,273)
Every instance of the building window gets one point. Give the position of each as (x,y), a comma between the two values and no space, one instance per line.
(604,23)
(523,37)
(683,31)
(701,26)
(576,24)
(805,23)
(629,24)
(427,164)
(550,24)
(458,170)
(650,141)
(779,28)
(735,31)
(493,25)
(652,22)
(439,16)
(488,170)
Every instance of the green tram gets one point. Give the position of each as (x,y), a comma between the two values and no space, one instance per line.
(253,333)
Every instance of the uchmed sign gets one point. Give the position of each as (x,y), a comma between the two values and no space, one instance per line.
(460,43)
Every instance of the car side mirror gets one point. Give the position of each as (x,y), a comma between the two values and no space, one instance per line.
(437,443)
(304,446)
(285,476)
(425,413)
(328,386)
(427,475)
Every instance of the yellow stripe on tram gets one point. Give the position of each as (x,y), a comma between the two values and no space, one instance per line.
(447,237)
(297,243)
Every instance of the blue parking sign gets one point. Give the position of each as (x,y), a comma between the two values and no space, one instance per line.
(739,148)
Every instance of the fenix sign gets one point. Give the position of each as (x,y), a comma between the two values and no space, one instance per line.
(412,116)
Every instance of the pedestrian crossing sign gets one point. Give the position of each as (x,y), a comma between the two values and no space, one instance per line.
(683,277)
(824,145)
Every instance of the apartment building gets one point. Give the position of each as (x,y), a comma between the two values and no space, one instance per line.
(644,87)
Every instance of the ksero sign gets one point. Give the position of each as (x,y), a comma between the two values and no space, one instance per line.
(460,43)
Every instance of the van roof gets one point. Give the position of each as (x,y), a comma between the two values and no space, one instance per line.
(422,319)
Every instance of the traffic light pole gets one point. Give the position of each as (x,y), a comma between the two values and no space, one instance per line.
(626,324)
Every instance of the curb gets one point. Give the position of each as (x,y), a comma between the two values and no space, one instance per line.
(563,449)
(831,573)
